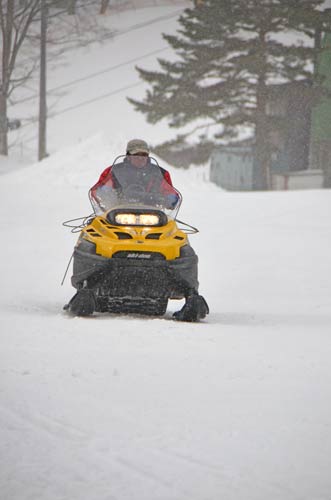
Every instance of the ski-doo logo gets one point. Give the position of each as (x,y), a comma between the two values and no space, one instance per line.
(139,256)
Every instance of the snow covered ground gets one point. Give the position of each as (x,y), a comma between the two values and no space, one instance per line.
(127,408)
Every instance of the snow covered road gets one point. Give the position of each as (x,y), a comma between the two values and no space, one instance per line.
(127,408)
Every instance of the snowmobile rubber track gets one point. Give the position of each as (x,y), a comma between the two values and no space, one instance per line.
(130,305)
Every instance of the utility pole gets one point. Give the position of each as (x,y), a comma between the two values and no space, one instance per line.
(42,85)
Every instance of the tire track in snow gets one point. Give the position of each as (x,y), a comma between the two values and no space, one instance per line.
(49,425)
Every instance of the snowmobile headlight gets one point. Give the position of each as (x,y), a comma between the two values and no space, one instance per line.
(149,220)
(137,217)
(127,219)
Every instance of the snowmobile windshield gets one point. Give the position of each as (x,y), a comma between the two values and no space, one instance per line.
(142,186)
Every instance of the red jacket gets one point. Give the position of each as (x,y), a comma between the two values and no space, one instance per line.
(107,179)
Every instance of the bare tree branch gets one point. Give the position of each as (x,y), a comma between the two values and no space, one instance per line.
(18,28)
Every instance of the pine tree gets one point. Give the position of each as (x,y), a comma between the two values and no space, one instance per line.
(230,51)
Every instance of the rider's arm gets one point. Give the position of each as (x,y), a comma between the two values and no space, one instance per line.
(105,179)
(168,190)
(99,191)
(166,186)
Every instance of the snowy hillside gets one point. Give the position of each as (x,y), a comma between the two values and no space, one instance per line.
(88,88)
(236,407)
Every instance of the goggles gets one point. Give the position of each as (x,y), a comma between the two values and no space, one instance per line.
(138,154)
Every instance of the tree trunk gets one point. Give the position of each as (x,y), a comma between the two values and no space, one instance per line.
(104,6)
(42,89)
(261,178)
(7,31)
(3,124)
(261,174)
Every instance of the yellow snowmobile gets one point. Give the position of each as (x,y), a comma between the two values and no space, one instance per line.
(132,256)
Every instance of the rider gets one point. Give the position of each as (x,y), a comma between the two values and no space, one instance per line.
(136,170)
